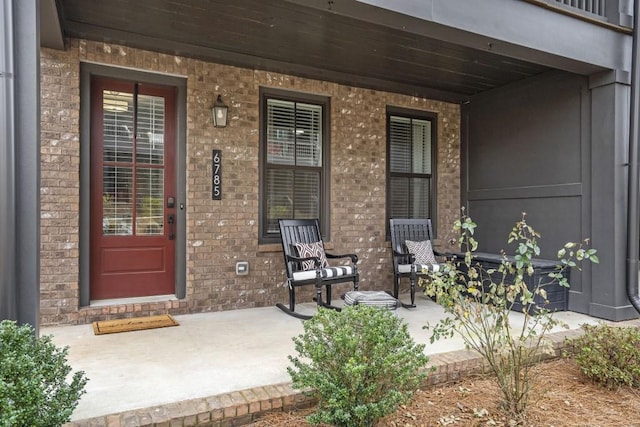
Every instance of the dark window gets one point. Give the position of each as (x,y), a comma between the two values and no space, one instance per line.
(294,158)
(411,144)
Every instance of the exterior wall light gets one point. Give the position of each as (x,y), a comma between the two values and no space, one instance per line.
(219,112)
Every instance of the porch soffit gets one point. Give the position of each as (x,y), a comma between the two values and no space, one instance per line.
(296,39)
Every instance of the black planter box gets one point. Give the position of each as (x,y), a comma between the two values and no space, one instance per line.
(557,296)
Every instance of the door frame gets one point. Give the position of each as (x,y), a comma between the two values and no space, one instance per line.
(87,70)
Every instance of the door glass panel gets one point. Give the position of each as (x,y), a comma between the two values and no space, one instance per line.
(118,126)
(150,130)
(117,209)
(149,202)
(119,181)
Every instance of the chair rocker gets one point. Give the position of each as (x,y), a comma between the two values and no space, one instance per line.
(306,263)
(413,258)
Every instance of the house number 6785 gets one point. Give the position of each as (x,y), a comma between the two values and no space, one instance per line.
(216,183)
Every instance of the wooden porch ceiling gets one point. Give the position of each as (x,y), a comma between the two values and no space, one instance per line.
(293,38)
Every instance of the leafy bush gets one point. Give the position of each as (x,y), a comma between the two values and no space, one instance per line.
(33,375)
(608,354)
(360,364)
(479,302)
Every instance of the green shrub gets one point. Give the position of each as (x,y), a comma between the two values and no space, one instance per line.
(478,302)
(360,364)
(608,354)
(33,380)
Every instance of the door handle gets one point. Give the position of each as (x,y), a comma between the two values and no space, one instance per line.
(171,219)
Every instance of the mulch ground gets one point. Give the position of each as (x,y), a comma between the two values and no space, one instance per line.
(562,397)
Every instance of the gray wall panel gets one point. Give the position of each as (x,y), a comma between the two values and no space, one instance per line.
(527,150)
(527,136)
(552,217)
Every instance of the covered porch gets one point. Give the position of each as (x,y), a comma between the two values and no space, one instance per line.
(227,365)
(523,91)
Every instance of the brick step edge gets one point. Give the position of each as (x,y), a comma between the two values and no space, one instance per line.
(243,407)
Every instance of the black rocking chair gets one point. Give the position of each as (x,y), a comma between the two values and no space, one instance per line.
(306,263)
(418,232)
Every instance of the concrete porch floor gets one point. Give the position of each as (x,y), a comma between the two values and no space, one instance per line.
(207,355)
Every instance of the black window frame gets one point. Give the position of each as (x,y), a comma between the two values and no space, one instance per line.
(267,93)
(419,115)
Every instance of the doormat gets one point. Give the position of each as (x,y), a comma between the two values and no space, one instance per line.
(133,324)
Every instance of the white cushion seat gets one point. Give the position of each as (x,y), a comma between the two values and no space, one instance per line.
(406,268)
(325,273)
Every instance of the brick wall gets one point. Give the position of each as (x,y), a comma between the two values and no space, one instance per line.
(219,233)
(60,185)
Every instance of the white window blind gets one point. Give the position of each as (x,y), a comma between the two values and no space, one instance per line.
(294,144)
(124,174)
(410,167)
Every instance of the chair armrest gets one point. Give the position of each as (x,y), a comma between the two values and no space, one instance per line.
(446,255)
(409,257)
(354,257)
(315,259)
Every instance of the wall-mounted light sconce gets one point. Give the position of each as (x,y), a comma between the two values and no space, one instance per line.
(219,113)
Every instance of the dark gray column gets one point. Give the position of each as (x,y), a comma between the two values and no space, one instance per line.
(20,161)
(609,167)
(8,308)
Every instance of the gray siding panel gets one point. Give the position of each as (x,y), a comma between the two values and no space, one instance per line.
(539,129)
(553,217)
(525,152)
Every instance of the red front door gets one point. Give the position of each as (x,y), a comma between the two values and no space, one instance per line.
(133,140)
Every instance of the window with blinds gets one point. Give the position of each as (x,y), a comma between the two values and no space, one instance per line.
(411,166)
(293,162)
